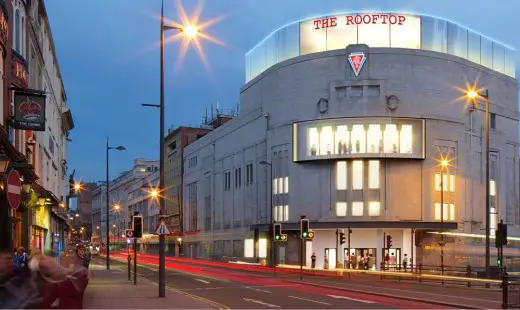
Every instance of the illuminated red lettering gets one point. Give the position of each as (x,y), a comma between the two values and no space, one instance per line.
(325,23)
(374,18)
(401,19)
(350,20)
(366,20)
(394,19)
(358,19)
(317,24)
(384,17)
(333,22)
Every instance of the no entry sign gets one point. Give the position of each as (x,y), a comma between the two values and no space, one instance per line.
(14,189)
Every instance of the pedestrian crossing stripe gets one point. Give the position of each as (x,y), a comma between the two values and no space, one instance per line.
(162,229)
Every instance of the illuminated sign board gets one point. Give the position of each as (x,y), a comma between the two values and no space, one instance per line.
(341,138)
(375,30)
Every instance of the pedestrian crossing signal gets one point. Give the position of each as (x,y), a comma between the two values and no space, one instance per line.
(283,237)
(310,235)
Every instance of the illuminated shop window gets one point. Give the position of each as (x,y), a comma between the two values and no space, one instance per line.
(341,209)
(286,185)
(314,141)
(357,208)
(357,174)
(374,208)
(358,139)
(280,186)
(373,174)
(341,175)
(405,143)
(493,221)
(375,139)
(342,140)
(452,183)
(275,186)
(449,211)
(391,138)
(326,141)
(286,213)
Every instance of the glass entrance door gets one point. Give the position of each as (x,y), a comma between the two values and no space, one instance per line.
(330,253)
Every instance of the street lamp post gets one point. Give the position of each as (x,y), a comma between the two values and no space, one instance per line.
(118,148)
(271,222)
(474,95)
(444,164)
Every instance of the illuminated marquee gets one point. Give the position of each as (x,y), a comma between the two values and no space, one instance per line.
(358,138)
(358,19)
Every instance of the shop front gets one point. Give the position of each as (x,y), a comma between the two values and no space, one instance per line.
(40,238)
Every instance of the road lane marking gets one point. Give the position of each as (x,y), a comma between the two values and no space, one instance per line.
(200,280)
(257,289)
(353,299)
(305,299)
(201,299)
(261,303)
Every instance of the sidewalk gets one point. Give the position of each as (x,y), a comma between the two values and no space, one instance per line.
(110,289)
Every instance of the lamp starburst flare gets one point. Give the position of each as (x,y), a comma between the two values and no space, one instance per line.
(470,93)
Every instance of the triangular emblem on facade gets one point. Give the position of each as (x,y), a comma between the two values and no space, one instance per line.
(357,60)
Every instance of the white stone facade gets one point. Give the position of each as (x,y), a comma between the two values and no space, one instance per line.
(227,194)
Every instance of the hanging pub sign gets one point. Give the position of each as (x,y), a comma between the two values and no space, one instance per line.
(29,111)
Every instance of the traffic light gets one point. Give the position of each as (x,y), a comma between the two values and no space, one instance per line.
(137,223)
(501,235)
(341,238)
(304,228)
(277,229)
(388,241)
(499,262)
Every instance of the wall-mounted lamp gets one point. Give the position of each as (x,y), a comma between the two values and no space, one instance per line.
(4,161)
(26,185)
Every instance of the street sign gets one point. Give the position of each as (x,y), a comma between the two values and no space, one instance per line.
(129,233)
(14,189)
(162,229)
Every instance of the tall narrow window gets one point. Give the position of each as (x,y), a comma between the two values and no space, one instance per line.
(275,186)
(286,185)
(280,186)
(341,175)
(357,174)
(17,31)
(373,174)
(326,141)
(405,143)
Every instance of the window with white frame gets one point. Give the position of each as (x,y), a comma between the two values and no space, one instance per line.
(448,211)
(238,177)
(448,182)
(374,208)
(275,186)
(281,213)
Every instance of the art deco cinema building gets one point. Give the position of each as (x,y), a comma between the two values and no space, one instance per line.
(344,119)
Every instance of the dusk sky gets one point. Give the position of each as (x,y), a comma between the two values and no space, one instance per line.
(108,54)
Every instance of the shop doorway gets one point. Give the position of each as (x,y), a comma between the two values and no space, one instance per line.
(281,255)
(330,253)
(363,258)
(394,258)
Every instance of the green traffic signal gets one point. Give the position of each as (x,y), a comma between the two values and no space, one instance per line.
(304,234)
(277,237)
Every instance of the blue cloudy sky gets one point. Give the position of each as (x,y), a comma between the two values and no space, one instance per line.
(109,60)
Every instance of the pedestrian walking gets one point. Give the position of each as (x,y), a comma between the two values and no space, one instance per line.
(405,261)
(313,260)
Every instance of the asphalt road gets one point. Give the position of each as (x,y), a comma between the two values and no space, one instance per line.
(248,290)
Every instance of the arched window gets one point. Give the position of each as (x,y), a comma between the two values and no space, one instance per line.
(17,31)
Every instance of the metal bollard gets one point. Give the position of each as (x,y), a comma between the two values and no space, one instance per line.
(129,260)
(505,285)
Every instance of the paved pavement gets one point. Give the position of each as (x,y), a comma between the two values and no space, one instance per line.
(110,289)
(252,290)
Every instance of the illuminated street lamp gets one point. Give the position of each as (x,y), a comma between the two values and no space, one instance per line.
(154,193)
(117,207)
(473,95)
